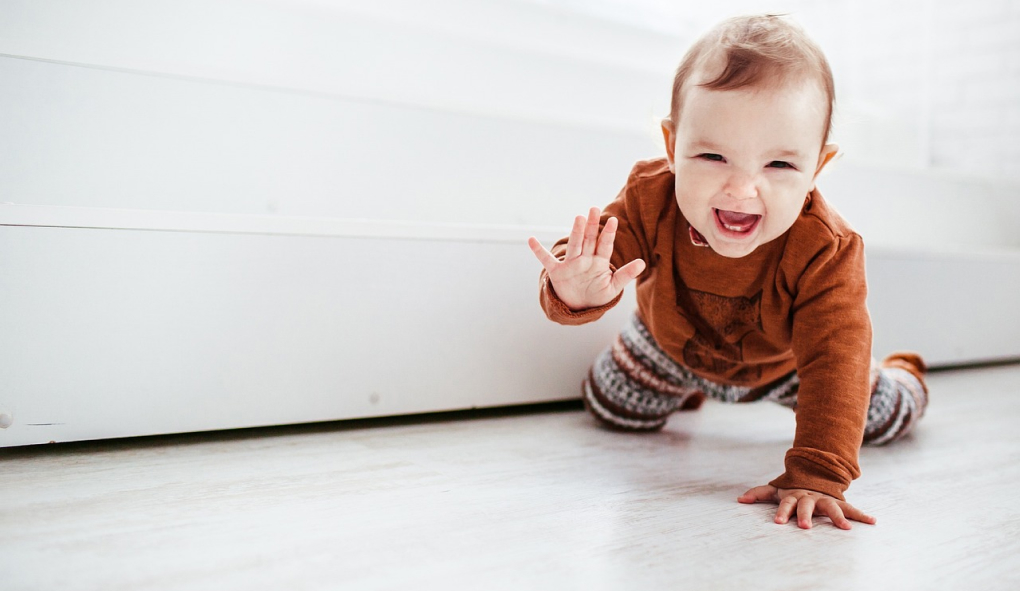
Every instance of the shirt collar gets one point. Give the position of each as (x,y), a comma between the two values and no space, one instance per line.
(696,238)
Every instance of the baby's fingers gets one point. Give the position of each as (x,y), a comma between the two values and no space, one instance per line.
(759,494)
(856,514)
(841,512)
(544,256)
(626,274)
(606,239)
(576,239)
(831,508)
(787,505)
(591,232)
(805,509)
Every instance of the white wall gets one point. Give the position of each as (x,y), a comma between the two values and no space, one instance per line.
(449,113)
(923,84)
(976,87)
(155,106)
(954,67)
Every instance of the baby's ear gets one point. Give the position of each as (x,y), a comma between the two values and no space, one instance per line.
(667,136)
(828,153)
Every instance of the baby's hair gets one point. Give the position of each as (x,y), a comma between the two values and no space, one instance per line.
(763,50)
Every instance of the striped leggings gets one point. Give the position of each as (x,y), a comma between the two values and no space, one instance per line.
(634,385)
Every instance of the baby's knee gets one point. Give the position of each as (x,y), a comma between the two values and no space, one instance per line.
(619,415)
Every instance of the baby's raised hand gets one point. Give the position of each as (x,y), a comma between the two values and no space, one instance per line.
(583,279)
(806,503)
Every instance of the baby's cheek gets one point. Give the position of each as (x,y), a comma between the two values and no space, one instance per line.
(786,194)
(781,218)
(791,183)
(692,182)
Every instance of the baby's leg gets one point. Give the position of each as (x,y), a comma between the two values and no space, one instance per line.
(899,398)
(635,386)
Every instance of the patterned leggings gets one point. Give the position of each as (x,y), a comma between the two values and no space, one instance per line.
(634,385)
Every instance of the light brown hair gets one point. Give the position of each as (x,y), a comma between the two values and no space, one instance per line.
(763,50)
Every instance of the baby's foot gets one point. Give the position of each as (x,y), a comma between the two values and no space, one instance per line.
(908,362)
(899,398)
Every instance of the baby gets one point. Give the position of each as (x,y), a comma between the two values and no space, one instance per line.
(749,285)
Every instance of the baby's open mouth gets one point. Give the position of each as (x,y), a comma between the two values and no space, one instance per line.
(740,223)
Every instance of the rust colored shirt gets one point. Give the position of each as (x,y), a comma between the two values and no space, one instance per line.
(795,303)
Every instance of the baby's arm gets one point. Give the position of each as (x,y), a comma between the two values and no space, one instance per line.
(831,340)
(583,278)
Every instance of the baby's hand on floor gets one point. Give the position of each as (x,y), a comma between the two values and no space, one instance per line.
(806,503)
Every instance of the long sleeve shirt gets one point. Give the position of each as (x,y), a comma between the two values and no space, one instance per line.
(794,303)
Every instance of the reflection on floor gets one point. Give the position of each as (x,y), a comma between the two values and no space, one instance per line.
(512,500)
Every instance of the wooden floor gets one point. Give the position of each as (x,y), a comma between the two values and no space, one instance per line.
(540,500)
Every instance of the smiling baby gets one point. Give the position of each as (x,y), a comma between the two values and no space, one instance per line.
(749,285)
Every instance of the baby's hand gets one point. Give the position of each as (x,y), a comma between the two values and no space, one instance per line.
(807,503)
(583,279)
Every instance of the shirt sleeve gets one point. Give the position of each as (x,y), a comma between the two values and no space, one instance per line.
(631,243)
(832,346)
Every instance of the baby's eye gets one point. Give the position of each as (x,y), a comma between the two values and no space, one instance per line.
(780,164)
(712,157)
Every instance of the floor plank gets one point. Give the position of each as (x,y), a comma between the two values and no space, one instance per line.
(513,500)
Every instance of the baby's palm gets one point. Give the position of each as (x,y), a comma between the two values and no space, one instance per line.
(584,279)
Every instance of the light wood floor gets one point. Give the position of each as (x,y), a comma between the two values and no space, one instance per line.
(516,501)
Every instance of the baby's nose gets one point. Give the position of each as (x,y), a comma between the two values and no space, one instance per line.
(742,186)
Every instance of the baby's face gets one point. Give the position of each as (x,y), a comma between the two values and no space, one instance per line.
(745,160)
